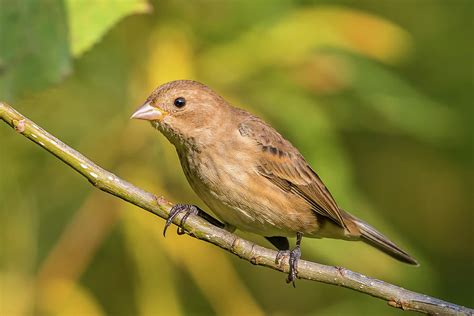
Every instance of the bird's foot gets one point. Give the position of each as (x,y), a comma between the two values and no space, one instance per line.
(294,256)
(175,211)
(188,209)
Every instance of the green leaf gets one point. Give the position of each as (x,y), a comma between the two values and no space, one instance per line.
(34,49)
(90,20)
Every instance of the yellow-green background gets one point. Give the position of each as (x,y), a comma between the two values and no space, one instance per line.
(376,94)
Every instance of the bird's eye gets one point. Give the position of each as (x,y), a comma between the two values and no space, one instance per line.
(180,102)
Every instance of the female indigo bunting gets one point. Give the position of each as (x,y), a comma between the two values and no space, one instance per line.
(251,177)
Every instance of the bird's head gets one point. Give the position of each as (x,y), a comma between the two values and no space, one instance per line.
(183,110)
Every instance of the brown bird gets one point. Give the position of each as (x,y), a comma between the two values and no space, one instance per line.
(251,177)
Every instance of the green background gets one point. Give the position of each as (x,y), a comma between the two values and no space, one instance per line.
(377,95)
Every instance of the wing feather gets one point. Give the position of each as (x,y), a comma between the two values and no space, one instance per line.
(281,163)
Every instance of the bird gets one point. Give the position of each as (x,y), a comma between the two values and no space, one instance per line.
(249,175)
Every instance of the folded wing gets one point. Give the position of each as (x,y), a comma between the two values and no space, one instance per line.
(281,163)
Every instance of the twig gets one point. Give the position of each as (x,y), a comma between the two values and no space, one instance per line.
(201,229)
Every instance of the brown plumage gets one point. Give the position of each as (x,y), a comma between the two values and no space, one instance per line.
(250,176)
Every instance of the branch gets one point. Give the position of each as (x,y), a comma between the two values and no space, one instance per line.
(201,229)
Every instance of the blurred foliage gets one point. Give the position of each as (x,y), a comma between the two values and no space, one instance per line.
(89,20)
(34,46)
(376,94)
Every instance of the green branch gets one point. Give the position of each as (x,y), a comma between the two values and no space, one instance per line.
(201,229)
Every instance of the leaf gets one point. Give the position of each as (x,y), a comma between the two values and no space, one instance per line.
(90,20)
(34,49)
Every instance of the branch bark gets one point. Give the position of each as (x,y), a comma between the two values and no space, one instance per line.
(196,227)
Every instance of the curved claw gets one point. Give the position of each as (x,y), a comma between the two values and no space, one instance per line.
(295,255)
(188,209)
(175,211)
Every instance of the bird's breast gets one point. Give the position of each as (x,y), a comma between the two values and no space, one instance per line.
(214,170)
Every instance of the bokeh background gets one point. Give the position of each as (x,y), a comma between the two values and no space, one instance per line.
(376,94)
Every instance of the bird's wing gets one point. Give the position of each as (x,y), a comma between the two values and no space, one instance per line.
(281,163)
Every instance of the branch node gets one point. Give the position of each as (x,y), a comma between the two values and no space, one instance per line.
(160,200)
(19,125)
(398,304)
(235,244)
(341,271)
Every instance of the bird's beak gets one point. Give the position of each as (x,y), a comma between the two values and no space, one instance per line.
(149,113)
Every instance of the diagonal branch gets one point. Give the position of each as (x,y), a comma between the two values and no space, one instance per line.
(201,229)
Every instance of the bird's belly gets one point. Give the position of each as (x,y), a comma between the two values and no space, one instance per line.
(240,216)
(241,197)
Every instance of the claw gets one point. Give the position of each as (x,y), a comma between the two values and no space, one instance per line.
(294,255)
(175,211)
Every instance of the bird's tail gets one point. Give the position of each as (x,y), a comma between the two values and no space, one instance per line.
(372,237)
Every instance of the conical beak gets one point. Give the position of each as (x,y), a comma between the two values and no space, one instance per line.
(149,113)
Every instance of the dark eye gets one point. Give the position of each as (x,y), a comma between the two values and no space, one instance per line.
(180,102)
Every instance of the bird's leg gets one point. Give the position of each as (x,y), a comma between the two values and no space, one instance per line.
(284,251)
(188,209)
(295,255)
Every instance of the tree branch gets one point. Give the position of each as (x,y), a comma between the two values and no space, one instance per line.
(201,229)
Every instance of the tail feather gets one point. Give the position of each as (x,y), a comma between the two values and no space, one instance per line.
(372,237)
